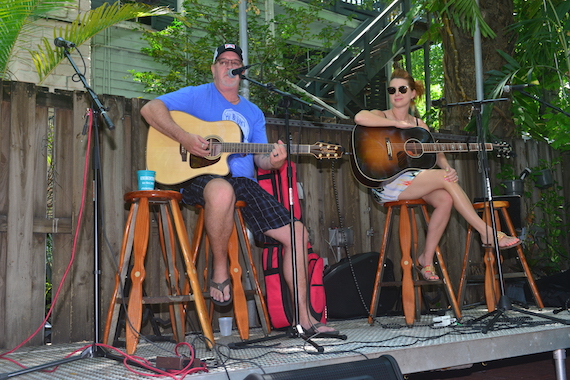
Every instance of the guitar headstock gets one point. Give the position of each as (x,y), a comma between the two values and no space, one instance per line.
(503,149)
(326,150)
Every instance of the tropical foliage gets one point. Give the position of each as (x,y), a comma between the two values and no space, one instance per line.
(17,18)
(463,13)
(186,49)
(545,26)
(548,226)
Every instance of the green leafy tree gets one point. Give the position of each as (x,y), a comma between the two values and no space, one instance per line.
(16,18)
(544,26)
(279,46)
(432,115)
(17,22)
(523,41)
(546,247)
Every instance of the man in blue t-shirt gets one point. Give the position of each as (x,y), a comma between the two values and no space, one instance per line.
(264,215)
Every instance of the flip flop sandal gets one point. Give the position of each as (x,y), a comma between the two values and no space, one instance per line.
(221,286)
(314,331)
(502,235)
(425,270)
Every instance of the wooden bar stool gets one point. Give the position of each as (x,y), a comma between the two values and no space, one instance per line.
(411,293)
(135,240)
(492,292)
(238,241)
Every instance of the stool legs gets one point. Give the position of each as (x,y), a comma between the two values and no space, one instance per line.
(491,284)
(492,292)
(380,269)
(411,294)
(408,296)
(177,314)
(524,263)
(138,224)
(125,257)
(192,275)
(238,240)
(258,294)
(239,300)
(138,273)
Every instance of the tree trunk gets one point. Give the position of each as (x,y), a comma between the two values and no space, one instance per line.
(459,67)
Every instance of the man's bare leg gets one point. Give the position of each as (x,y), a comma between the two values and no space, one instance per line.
(219,222)
(283,235)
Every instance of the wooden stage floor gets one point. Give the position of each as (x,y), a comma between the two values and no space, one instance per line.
(422,347)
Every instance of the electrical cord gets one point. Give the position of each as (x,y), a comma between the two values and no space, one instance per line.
(341,228)
(55,298)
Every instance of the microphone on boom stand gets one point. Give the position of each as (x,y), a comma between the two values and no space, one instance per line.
(508,88)
(232,73)
(60,42)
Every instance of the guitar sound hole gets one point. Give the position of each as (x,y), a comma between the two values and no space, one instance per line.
(215,148)
(413,148)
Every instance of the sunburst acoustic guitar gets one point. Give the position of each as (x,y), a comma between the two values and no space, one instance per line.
(380,154)
(174,165)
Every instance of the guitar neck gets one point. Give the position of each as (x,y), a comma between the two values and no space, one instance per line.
(454,147)
(230,147)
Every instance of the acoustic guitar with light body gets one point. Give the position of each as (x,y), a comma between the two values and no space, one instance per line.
(173,164)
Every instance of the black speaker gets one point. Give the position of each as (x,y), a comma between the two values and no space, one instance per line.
(514,209)
(343,298)
(383,368)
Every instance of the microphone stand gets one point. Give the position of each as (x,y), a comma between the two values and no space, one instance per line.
(544,103)
(504,304)
(296,329)
(94,350)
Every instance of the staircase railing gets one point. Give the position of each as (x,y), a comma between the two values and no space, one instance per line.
(347,69)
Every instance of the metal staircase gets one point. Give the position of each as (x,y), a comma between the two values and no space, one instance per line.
(353,76)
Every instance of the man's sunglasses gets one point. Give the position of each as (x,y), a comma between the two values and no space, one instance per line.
(402,89)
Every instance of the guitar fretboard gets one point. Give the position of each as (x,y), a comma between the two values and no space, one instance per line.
(451,147)
(228,147)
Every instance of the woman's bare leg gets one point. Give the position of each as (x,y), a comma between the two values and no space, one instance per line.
(430,181)
(442,203)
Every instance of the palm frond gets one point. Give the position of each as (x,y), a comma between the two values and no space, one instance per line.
(464,13)
(14,16)
(85,26)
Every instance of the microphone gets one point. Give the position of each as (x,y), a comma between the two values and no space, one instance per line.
(516,87)
(60,42)
(442,102)
(235,72)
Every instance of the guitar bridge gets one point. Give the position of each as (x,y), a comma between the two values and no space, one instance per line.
(183,153)
(389,149)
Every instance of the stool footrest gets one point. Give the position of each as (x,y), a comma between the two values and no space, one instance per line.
(173,299)
(160,299)
(481,278)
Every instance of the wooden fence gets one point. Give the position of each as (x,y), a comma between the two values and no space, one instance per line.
(46,201)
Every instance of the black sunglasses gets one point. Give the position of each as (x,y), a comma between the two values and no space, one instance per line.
(402,89)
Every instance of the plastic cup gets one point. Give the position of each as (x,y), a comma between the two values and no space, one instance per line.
(225,326)
(146,179)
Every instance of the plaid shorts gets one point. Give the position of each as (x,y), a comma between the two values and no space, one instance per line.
(262,213)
